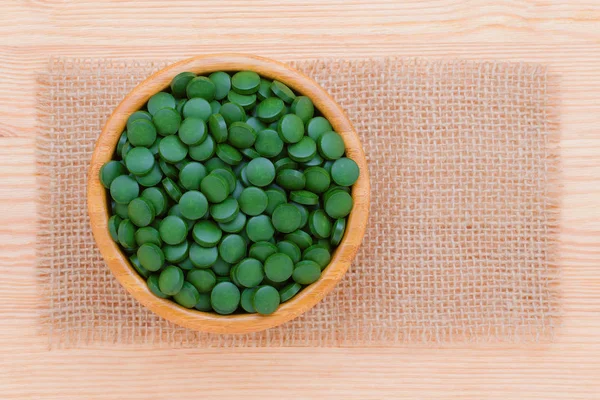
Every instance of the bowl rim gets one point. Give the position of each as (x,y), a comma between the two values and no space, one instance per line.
(119,264)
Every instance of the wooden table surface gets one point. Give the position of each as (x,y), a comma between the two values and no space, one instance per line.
(563,34)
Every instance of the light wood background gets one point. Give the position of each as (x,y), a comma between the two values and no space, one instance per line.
(563,34)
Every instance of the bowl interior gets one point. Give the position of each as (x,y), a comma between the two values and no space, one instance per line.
(243,323)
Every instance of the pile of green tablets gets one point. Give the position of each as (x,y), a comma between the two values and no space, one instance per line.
(229,192)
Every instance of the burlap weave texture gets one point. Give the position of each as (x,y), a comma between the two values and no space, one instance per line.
(461,239)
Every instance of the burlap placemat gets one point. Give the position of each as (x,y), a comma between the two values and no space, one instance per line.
(461,240)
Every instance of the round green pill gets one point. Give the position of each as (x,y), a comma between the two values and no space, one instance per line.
(123,189)
(289,291)
(262,250)
(337,231)
(172,149)
(215,163)
(221,279)
(151,178)
(303,107)
(169,170)
(316,161)
(236,225)
(274,199)
(317,254)
(315,127)
(204,303)
(256,124)
(319,224)
(249,272)
(247,101)
(317,179)
(171,189)
(126,148)
(178,253)
(203,151)
(253,201)
(266,300)
(120,210)
(232,112)
(260,171)
(192,131)
(286,218)
(218,128)
(304,197)
(291,179)
(179,105)
(110,171)
(338,204)
(306,272)
(193,204)
(245,82)
(279,267)
(191,175)
(264,89)
(260,228)
(241,135)
(220,267)
(176,212)
(188,296)
(290,128)
(268,143)
(140,211)
(226,211)
(215,106)
(180,82)
(285,163)
(232,248)
(151,257)
(139,115)
(203,257)
(344,171)
(173,230)
(303,213)
(250,153)
(246,299)
(270,109)
(139,161)
(201,86)
(300,238)
(282,91)
(206,233)
(244,177)
(121,142)
(126,234)
(166,121)
(113,227)
(170,280)
(225,298)
(222,82)
(159,101)
(197,108)
(303,151)
(152,283)
(215,188)
(290,249)
(135,263)
(229,154)
(331,145)
(204,280)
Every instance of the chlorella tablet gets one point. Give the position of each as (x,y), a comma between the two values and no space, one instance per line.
(229,192)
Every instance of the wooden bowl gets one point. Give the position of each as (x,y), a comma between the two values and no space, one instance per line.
(118,263)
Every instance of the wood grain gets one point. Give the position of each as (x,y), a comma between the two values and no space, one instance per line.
(211,322)
(565,35)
